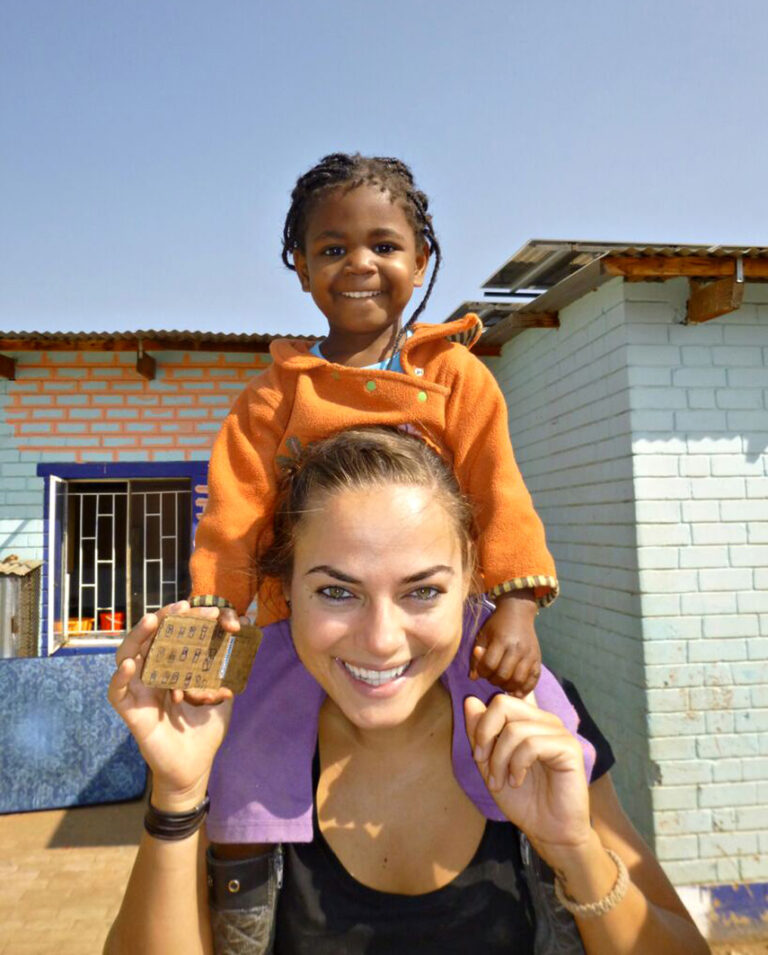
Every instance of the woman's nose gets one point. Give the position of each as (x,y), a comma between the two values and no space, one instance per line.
(382,629)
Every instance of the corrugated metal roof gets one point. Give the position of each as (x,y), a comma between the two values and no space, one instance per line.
(543,263)
(545,275)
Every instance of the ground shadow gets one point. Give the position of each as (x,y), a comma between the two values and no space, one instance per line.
(110,824)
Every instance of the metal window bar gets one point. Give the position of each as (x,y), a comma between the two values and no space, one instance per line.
(154,600)
(93,505)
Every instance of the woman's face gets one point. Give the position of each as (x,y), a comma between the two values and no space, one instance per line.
(376,599)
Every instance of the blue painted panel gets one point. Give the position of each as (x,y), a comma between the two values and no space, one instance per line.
(61,743)
(123,469)
(738,911)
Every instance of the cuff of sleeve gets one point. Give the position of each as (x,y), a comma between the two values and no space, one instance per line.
(210,600)
(545,589)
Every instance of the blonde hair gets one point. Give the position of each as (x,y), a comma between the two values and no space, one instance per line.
(357,459)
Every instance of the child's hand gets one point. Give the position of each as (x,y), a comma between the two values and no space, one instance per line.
(507,651)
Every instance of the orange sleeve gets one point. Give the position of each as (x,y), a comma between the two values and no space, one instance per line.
(241,495)
(512,545)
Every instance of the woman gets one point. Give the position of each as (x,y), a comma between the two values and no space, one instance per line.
(373,543)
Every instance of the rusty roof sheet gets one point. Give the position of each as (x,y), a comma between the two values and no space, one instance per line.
(134,336)
(11,566)
(151,339)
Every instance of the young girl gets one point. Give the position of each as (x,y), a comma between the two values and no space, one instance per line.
(359,237)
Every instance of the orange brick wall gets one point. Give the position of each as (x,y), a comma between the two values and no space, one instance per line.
(94,406)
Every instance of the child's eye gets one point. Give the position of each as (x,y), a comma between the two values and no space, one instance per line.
(333,250)
(425,593)
(385,248)
(336,593)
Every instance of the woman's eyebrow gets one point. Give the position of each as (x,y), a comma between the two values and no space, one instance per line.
(411,579)
(424,574)
(332,572)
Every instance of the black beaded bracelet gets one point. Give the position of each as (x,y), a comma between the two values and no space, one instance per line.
(175,825)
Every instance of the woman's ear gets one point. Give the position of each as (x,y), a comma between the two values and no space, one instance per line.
(422,261)
(300,264)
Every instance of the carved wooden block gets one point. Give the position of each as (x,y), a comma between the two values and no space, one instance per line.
(194,653)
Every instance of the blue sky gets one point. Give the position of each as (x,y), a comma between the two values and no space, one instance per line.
(147,149)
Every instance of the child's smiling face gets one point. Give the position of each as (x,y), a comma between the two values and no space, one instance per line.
(361,261)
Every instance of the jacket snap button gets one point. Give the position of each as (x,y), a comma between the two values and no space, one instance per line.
(233,885)
(370,385)
(422,396)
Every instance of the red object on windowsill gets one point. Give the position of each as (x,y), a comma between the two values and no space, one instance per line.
(112,621)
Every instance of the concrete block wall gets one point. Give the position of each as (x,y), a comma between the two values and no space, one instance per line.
(94,406)
(644,443)
(699,436)
(567,391)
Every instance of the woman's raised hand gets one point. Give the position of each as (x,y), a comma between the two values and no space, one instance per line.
(533,768)
(178,737)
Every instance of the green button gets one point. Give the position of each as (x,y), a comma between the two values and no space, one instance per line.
(370,385)
(422,396)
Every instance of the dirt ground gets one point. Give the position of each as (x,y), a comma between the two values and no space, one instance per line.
(62,875)
(746,948)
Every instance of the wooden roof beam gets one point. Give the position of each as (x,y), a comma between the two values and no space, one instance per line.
(7,368)
(146,365)
(521,319)
(709,300)
(648,267)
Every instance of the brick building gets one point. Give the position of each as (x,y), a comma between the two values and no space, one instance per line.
(104,444)
(637,385)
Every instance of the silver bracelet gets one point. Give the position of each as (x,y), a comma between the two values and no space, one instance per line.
(589,910)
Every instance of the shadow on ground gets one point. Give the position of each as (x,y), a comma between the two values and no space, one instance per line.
(119,824)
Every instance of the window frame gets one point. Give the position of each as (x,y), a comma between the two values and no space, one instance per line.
(54,474)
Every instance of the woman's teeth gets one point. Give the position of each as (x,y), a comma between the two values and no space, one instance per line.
(360,294)
(375,677)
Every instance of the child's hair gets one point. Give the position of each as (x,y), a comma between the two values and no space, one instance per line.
(357,459)
(350,171)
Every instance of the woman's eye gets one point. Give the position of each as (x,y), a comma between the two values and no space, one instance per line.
(335,593)
(425,593)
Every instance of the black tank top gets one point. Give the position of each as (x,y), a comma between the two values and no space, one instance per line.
(486,909)
(323,910)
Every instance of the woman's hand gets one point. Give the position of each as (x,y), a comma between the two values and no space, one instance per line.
(178,738)
(534,769)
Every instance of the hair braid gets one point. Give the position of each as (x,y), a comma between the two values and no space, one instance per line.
(350,171)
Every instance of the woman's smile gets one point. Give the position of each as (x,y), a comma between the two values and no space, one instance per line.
(375,676)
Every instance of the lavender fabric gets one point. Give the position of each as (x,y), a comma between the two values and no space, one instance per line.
(261,785)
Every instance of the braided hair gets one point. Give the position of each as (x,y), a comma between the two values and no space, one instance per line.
(350,171)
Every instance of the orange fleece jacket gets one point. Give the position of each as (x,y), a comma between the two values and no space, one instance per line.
(445,393)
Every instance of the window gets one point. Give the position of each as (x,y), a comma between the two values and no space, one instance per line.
(116,548)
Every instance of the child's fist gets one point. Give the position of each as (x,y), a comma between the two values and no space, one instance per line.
(507,651)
